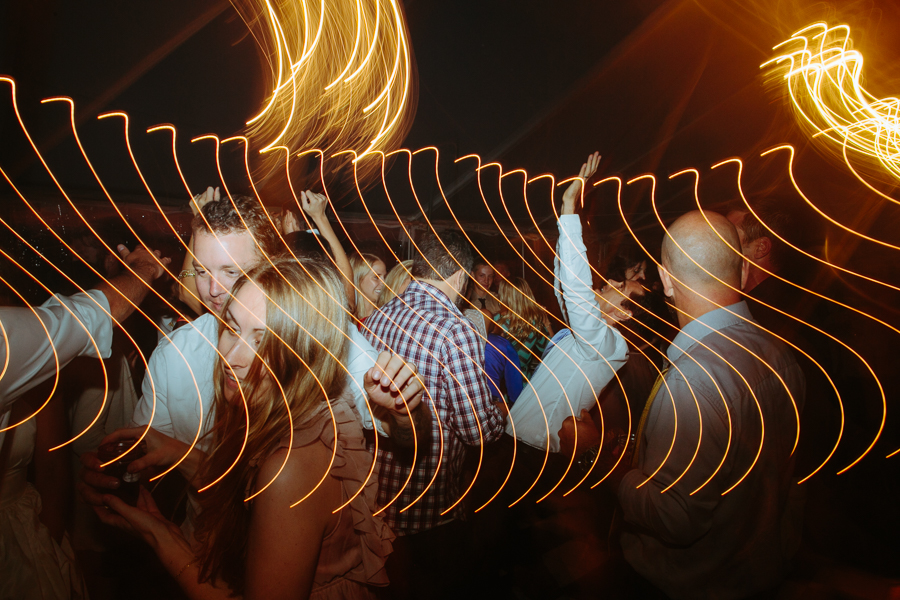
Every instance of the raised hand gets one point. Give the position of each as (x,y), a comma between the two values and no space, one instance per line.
(573,192)
(148,266)
(289,223)
(314,204)
(204,198)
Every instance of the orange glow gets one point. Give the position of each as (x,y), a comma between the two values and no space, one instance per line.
(309,48)
(823,77)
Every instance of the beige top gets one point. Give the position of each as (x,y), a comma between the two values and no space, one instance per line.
(353,554)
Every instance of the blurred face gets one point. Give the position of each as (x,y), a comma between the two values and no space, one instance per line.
(628,292)
(219,260)
(371,284)
(484,275)
(245,327)
(637,272)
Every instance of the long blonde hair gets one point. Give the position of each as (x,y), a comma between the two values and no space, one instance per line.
(396,278)
(362,265)
(302,353)
(520,308)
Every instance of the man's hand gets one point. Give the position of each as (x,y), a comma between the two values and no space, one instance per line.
(394,384)
(587,433)
(127,290)
(204,198)
(573,192)
(614,297)
(148,266)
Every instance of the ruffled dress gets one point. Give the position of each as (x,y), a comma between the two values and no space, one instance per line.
(353,554)
(32,565)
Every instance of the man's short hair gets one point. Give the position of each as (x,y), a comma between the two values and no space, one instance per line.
(777,219)
(236,215)
(442,254)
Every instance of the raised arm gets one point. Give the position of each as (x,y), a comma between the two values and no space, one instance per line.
(124,292)
(314,205)
(35,342)
(595,338)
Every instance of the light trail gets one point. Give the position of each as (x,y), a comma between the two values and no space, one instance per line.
(309,48)
(824,81)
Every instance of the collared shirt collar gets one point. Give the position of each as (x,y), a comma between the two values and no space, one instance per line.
(432,292)
(699,328)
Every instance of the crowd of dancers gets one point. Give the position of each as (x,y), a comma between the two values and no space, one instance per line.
(313,424)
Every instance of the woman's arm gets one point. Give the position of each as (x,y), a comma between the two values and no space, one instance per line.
(314,205)
(166,539)
(162,452)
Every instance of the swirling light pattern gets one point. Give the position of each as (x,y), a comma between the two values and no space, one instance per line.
(824,80)
(340,77)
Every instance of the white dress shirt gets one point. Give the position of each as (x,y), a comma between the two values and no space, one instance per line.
(70,325)
(180,378)
(574,371)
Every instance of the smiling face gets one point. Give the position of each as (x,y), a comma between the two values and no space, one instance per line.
(240,339)
(484,275)
(371,284)
(219,260)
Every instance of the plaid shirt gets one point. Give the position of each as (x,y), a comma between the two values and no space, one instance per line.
(426,329)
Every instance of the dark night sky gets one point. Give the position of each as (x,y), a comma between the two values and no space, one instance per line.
(655,86)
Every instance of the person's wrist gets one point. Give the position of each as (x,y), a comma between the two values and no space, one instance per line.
(146,271)
(401,413)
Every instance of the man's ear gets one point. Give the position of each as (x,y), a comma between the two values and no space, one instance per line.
(666,280)
(458,281)
(763,247)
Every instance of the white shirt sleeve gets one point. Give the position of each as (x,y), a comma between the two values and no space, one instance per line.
(361,357)
(573,373)
(592,333)
(37,342)
(153,407)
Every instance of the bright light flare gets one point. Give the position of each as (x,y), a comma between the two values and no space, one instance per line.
(340,76)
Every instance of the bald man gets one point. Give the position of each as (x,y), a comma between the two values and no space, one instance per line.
(706,506)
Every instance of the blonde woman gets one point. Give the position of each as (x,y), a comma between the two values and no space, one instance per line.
(368,278)
(282,346)
(395,282)
(524,323)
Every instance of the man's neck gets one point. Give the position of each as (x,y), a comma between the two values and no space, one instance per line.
(755,276)
(697,306)
(445,287)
